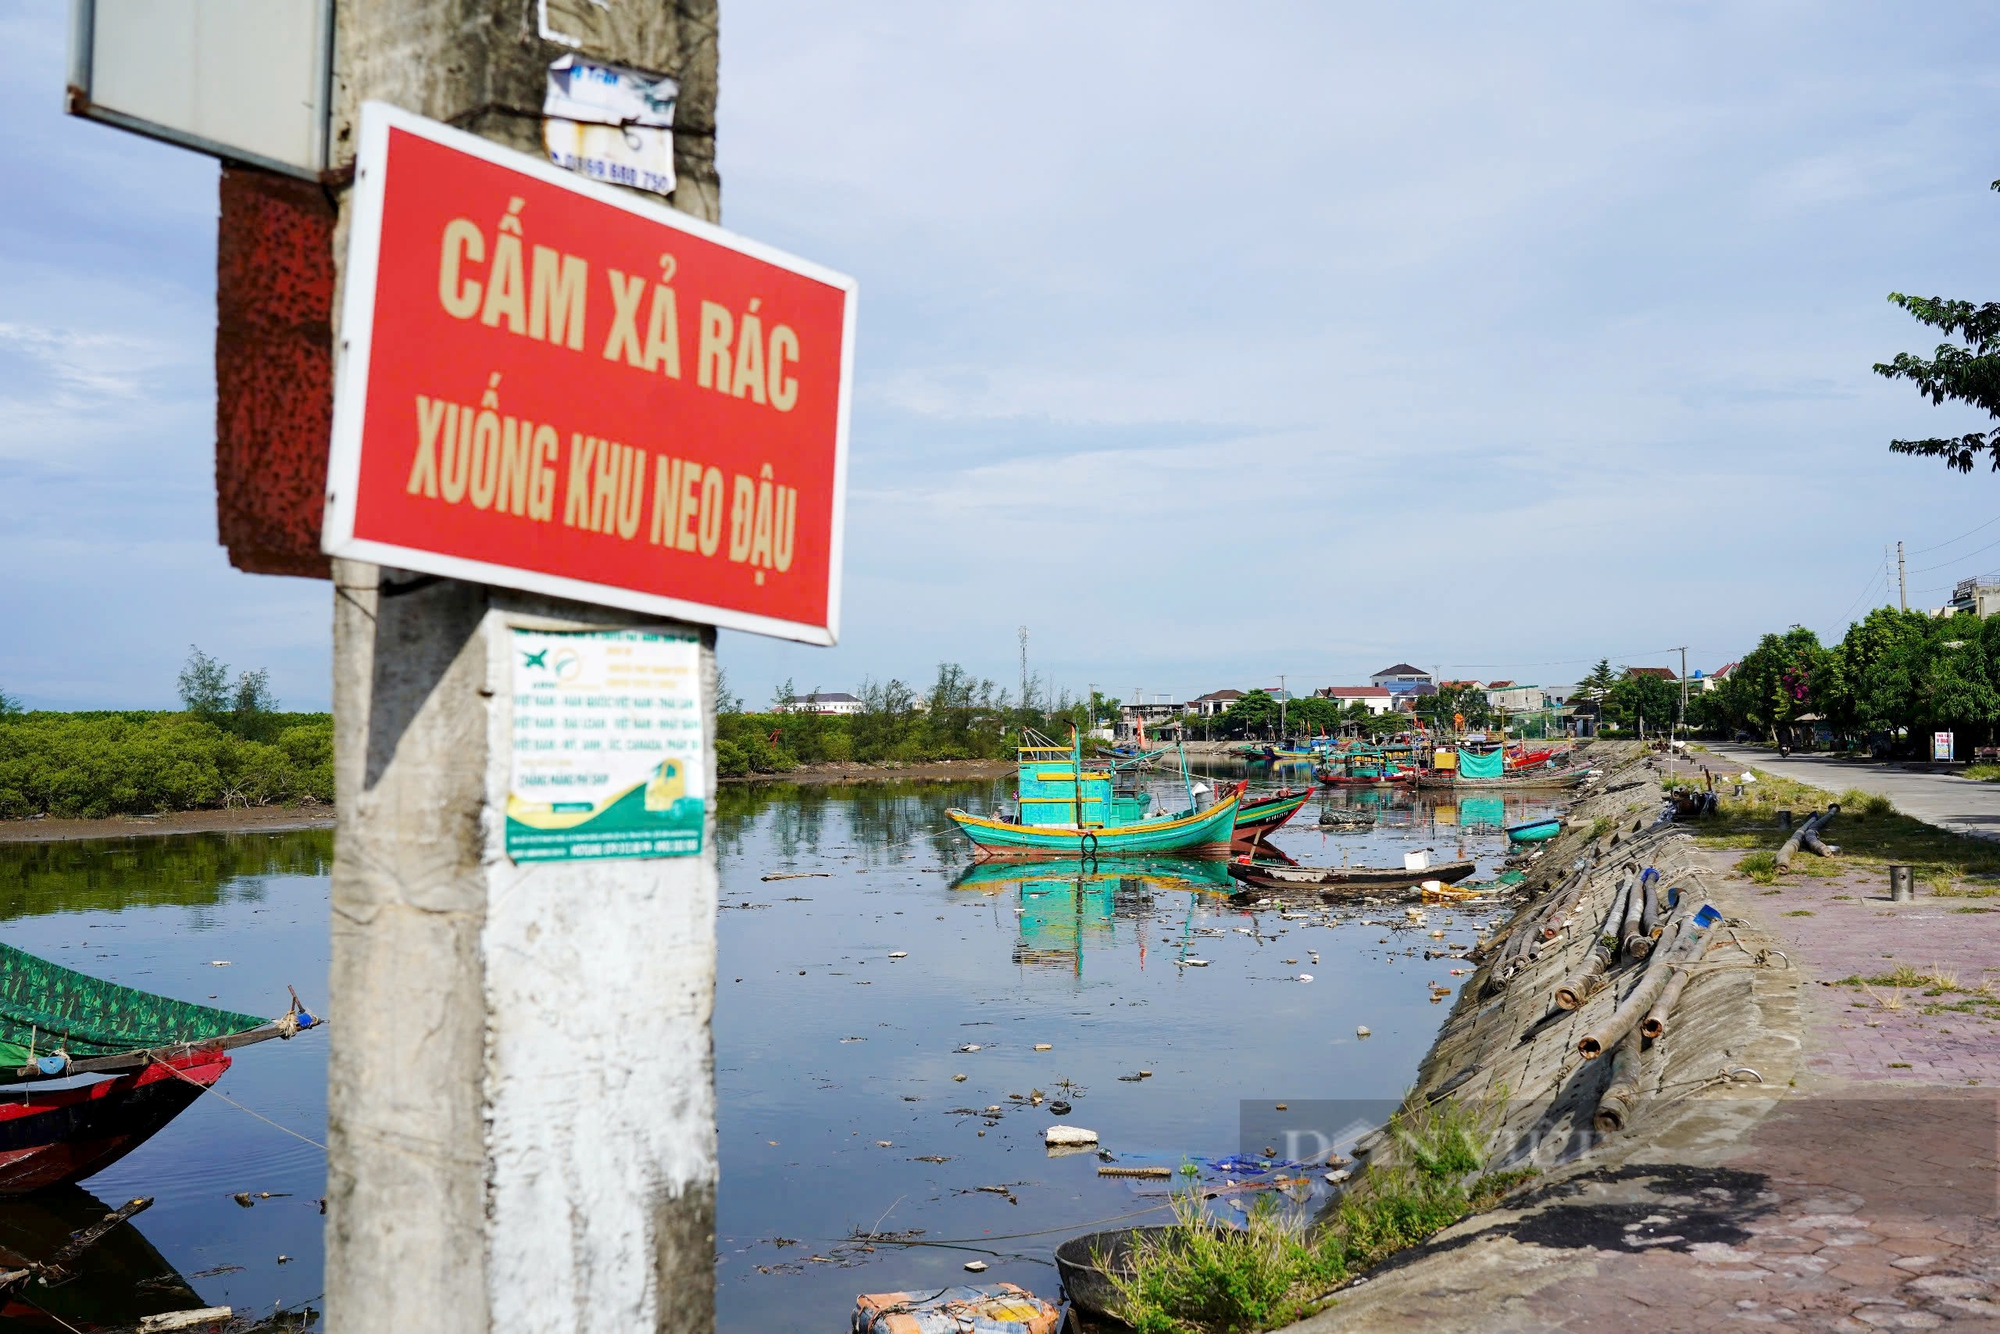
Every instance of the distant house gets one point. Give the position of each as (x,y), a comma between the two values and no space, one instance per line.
(1161,715)
(1214,702)
(1402,674)
(1713,680)
(1663,673)
(1461,685)
(1376,699)
(827,701)
(1408,694)
(1515,697)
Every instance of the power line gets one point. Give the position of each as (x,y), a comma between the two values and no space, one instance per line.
(1957,559)
(1960,538)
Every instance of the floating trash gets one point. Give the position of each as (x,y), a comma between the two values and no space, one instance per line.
(1063,1135)
(1361,1030)
(1045,1046)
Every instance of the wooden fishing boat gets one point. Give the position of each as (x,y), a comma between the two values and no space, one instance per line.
(1070,807)
(1542,779)
(1259,816)
(92,1070)
(1365,769)
(1535,831)
(1307,878)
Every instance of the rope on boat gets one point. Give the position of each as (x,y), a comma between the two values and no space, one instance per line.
(211,1089)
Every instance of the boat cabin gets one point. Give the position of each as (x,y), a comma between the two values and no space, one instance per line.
(1059,787)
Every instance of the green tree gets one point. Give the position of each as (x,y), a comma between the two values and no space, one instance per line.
(1641,695)
(252,695)
(204,685)
(1598,683)
(1311,716)
(726,700)
(1968,374)
(8,704)
(1254,715)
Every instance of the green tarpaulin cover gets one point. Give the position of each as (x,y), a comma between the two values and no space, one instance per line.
(55,1007)
(1479,766)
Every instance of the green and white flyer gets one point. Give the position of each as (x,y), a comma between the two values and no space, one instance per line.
(610,759)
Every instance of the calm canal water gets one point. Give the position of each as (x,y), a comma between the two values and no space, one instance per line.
(850,998)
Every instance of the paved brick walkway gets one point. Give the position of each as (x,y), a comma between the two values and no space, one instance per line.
(1852,1034)
(1867,1198)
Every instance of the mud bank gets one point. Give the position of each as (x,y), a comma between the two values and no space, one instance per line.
(253,820)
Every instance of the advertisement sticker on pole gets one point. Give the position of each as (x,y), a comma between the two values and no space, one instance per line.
(547,383)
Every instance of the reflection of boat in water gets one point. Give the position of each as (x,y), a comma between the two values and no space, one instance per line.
(91,1070)
(1065,904)
(1158,872)
(109,1281)
(1070,807)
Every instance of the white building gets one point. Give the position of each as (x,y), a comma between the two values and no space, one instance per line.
(1214,702)
(1161,715)
(1515,697)
(827,701)
(1377,699)
(1402,674)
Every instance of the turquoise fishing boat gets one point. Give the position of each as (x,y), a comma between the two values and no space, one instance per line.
(1070,807)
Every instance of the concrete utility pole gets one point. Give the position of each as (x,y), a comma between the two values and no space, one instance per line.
(1902,580)
(1680,720)
(1023,632)
(521,1088)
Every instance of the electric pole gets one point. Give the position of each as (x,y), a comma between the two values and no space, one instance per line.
(1902,579)
(1681,721)
(1023,633)
(520,1084)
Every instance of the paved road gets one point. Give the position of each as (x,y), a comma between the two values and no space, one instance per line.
(1963,805)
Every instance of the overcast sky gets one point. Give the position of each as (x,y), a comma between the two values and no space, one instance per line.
(1209,344)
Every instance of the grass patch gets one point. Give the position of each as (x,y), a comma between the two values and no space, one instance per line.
(1985,773)
(1202,1279)
(1798,912)
(1869,831)
(1858,805)
(1761,867)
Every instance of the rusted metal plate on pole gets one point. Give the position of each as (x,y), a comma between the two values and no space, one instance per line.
(273,370)
(550,384)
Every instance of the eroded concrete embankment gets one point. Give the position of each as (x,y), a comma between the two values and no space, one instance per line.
(1510,1051)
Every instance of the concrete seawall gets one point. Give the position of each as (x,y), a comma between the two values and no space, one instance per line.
(1510,1052)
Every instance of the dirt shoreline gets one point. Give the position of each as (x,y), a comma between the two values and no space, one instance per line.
(282,819)
(254,820)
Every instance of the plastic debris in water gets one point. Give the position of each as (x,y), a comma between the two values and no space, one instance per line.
(1361,1030)
(1305,977)
(899,954)
(1068,1135)
(1045,1046)
(975,1266)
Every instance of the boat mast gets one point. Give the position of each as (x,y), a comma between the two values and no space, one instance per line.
(1076,767)
(1186,781)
